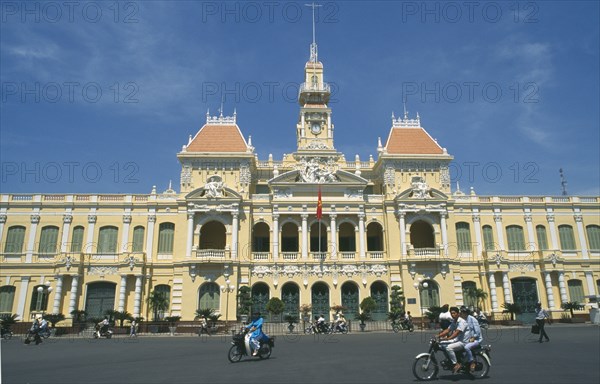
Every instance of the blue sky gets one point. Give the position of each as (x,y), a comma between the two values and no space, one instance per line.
(98,97)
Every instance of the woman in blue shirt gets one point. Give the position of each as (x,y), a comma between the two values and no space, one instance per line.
(255,327)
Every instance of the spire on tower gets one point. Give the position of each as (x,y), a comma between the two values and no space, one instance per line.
(563,182)
(313,46)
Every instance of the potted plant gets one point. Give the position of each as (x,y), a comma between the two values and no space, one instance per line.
(275,306)
(305,311)
(367,305)
(54,318)
(571,306)
(6,322)
(172,323)
(512,309)
(396,299)
(121,316)
(362,317)
(291,320)
(244,303)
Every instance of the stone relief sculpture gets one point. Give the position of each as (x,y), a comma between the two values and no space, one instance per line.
(420,189)
(311,172)
(213,187)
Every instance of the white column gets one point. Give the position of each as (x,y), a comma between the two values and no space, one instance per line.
(548,281)
(67,219)
(444,232)
(122,289)
(304,236)
(138,296)
(493,295)
(581,234)
(499,229)
(23,289)
(333,235)
(234,234)
(276,237)
(125,234)
(35,219)
(478,238)
(552,225)
(2,222)
(57,294)
(150,235)
(589,277)
(190,234)
(532,246)
(401,217)
(89,241)
(74,293)
(506,287)
(562,288)
(361,235)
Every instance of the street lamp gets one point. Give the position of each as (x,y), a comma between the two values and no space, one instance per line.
(227,288)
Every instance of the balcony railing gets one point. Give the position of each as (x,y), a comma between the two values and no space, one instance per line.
(315,87)
(375,255)
(426,253)
(261,256)
(290,256)
(320,256)
(348,255)
(213,254)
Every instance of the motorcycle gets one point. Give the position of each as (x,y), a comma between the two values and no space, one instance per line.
(427,365)
(32,334)
(6,333)
(44,332)
(241,346)
(317,328)
(104,332)
(338,328)
(407,325)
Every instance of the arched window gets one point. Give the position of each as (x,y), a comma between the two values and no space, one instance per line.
(576,291)
(289,238)
(315,246)
(463,237)
(488,238)
(77,239)
(469,298)
(213,236)
(516,238)
(138,239)
(422,235)
(542,238)
(429,294)
(379,293)
(209,296)
(15,239)
(39,298)
(107,239)
(260,238)
(7,298)
(165,291)
(593,235)
(347,238)
(166,234)
(567,238)
(374,237)
(260,298)
(48,240)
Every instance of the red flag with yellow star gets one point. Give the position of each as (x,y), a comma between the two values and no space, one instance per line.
(319,206)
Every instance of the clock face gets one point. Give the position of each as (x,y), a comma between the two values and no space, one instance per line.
(315,128)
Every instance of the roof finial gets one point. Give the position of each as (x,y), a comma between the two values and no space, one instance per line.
(221,109)
(405,111)
(563,182)
(313,46)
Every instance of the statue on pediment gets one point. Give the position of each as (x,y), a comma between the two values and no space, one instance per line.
(213,187)
(420,189)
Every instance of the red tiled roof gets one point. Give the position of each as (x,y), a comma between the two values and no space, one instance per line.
(218,138)
(411,141)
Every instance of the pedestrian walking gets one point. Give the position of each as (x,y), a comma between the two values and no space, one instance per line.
(540,319)
(132,330)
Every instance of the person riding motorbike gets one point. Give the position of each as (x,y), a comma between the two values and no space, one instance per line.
(256,328)
(452,337)
(102,326)
(44,325)
(321,324)
(473,337)
(340,321)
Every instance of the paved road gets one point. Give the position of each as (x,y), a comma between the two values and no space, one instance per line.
(572,356)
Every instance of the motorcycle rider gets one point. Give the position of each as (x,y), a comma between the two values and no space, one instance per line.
(102,326)
(321,324)
(340,321)
(256,328)
(44,325)
(473,336)
(407,321)
(453,336)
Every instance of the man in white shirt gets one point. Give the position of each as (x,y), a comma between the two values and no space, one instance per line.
(453,337)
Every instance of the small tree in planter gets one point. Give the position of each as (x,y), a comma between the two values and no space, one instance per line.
(7,321)
(571,306)
(512,309)
(275,306)
(305,311)
(362,317)
(367,305)
(291,320)
(396,299)
(121,316)
(172,323)
(158,303)
(244,299)
(54,318)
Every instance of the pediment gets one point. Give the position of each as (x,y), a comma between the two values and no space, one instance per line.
(411,195)
(202,193)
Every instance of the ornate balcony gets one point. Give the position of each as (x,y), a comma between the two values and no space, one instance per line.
(213,255)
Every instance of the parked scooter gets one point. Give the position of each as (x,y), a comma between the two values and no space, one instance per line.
(241,346)
(427,365)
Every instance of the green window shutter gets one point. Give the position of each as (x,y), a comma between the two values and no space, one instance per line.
(48,240)
(567,238)
(7,298)
(209,296)
(516,238)
(77,240)
(166,234)
(164,290)
(107,240)
(14,240)
(488,238)
(468,287)
(576,291)
(463,237)
(542,238)
(593,235)
(138,239)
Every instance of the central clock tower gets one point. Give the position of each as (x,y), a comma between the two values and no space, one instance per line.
(314,130)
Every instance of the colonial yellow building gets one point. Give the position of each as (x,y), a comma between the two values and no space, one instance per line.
(241,221)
